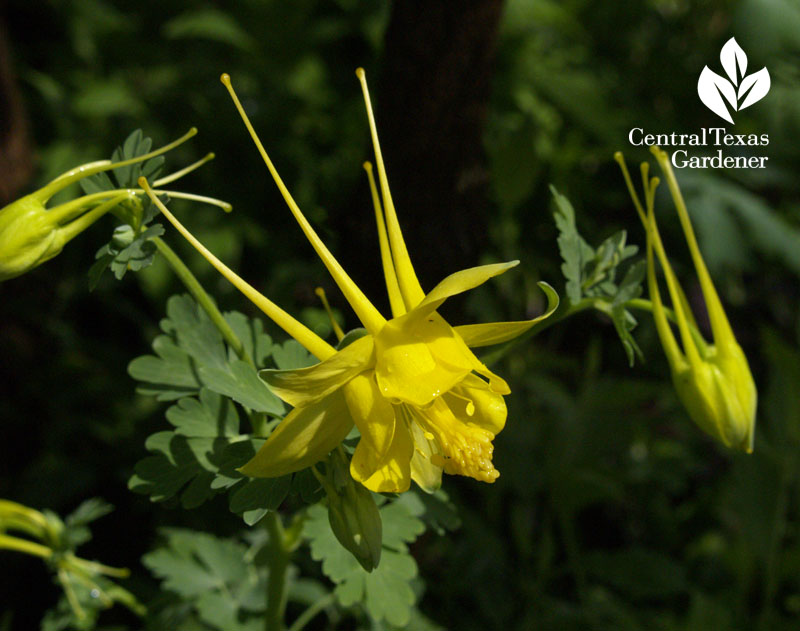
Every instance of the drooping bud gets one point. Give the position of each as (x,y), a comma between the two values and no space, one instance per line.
(352,512)
(713,381)
(32,233)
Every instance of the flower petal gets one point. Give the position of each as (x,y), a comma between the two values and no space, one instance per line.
(406,276)
(304,386)
(366,312)
(486,334)
(385,473)
(417,360)
(424,472)
(487,410)
(458,283)
(373,415)
(302,439)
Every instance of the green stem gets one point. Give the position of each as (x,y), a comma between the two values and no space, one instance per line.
(278,565)
(308,615)
(257,419)
(203,299)
(600,304)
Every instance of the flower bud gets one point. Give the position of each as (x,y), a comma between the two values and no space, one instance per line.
(352,513)
(713,381)
(30,234)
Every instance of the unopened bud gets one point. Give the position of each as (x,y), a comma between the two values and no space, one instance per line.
(353,514)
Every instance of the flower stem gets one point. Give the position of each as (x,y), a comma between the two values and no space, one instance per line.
(257,419)
(562,313)
(278,565)
(203,299)
(308,615)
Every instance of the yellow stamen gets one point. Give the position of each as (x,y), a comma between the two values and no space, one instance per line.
(370,317)
(336,328)
(406,276)
(310,340)
(465,448)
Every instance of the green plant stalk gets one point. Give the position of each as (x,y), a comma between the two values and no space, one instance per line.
(600,304)
(203,299)
(278,565)
(310,613)
(280,550)
(257,419)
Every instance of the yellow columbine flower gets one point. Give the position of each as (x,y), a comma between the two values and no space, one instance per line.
(31,233)
(422,401)
(713,381)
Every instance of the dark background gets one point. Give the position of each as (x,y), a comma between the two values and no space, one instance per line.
(613,511)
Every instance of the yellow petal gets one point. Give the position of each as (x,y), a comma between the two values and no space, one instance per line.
(373,415)
(424,472)
(305,386)
(302,439)
(721,328)
(392,287)
(487,410)
(312,342)
(406,276)
(366,312)
(458,283)
(416,361)
(486,334)
(385,473)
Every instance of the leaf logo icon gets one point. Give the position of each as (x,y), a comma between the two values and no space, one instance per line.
(737,91)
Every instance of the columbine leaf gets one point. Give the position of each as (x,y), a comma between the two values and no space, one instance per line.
(135,145)
(592,273)
(213,579)
(385,592)
(575,252)
(292,355)
(178,461)
(126,251)
(440,514)
(194,354)
(195,332)
(239,381)
(255,498)
(211,416)
(167,375)
(250,331)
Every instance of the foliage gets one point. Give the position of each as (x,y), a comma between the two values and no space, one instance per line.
(611,512)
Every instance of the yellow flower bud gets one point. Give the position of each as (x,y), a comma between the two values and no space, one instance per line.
(713,381)
(31,233)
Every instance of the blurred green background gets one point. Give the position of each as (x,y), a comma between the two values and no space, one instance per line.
(612,511)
